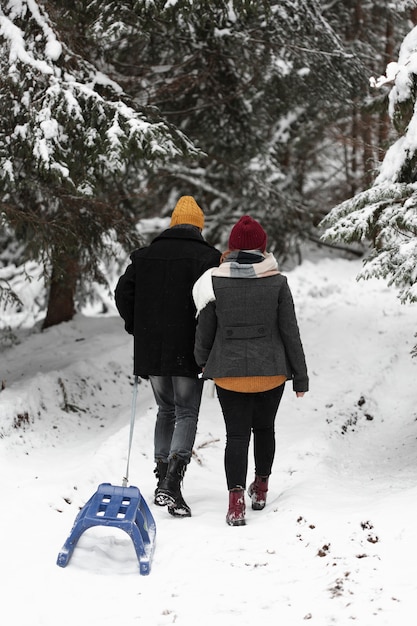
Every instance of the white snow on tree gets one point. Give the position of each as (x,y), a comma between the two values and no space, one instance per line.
(70,138)
(58,110)
(386,214)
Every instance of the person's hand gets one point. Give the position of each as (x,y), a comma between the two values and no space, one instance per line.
(299,394)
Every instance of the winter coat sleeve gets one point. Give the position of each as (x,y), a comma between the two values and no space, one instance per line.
(205,333)
(124,296)
(290,334)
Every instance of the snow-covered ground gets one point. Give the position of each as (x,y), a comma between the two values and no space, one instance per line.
(336,543)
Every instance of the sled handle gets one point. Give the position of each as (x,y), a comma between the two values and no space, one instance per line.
(132,425)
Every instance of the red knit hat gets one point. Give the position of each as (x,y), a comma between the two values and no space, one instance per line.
(247,234)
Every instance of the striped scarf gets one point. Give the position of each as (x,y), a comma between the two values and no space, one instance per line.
(238,264)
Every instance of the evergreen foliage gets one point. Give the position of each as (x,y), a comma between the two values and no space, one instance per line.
(68,137)
(111,110)
(251,83)
(386,214)
(351,147)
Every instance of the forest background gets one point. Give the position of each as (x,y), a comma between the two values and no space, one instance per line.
(110,111)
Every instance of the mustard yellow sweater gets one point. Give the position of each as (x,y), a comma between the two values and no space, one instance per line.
(250,384)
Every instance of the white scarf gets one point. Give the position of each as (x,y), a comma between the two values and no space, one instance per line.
(203,291)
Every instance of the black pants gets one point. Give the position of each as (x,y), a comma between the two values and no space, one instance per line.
(244,413)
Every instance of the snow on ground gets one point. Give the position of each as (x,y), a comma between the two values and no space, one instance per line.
(336,543)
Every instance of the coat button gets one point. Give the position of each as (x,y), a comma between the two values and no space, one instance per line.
(229,333)
(261,329)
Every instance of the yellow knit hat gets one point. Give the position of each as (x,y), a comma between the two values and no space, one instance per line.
(187,211)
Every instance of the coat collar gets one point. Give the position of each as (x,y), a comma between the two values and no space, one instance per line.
(178,232)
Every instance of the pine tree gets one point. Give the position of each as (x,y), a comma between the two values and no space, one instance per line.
(69,137)
(386,214)
(354,139)
(265,89)
(248,81)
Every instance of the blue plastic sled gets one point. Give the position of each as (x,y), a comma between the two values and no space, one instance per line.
(122,507)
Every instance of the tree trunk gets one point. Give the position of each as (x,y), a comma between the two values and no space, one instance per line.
(368,156)
(61,306)
(354,153)
(384,120)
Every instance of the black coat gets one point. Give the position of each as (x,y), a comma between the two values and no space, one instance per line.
(154,298)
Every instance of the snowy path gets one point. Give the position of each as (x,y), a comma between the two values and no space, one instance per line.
(336,543)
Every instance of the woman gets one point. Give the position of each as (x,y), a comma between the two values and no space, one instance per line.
(248,341)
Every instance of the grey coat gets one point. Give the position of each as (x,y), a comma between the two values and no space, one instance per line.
(250,329)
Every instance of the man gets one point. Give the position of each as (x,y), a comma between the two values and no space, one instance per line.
(154,297)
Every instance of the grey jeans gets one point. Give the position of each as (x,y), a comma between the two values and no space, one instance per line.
(178,399)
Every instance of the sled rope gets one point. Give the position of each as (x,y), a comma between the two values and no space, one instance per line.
(132,425)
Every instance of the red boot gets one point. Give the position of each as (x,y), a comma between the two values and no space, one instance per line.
(236,513)
(257,491)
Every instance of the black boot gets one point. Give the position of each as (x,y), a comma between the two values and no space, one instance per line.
(160,472)
(169,492)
